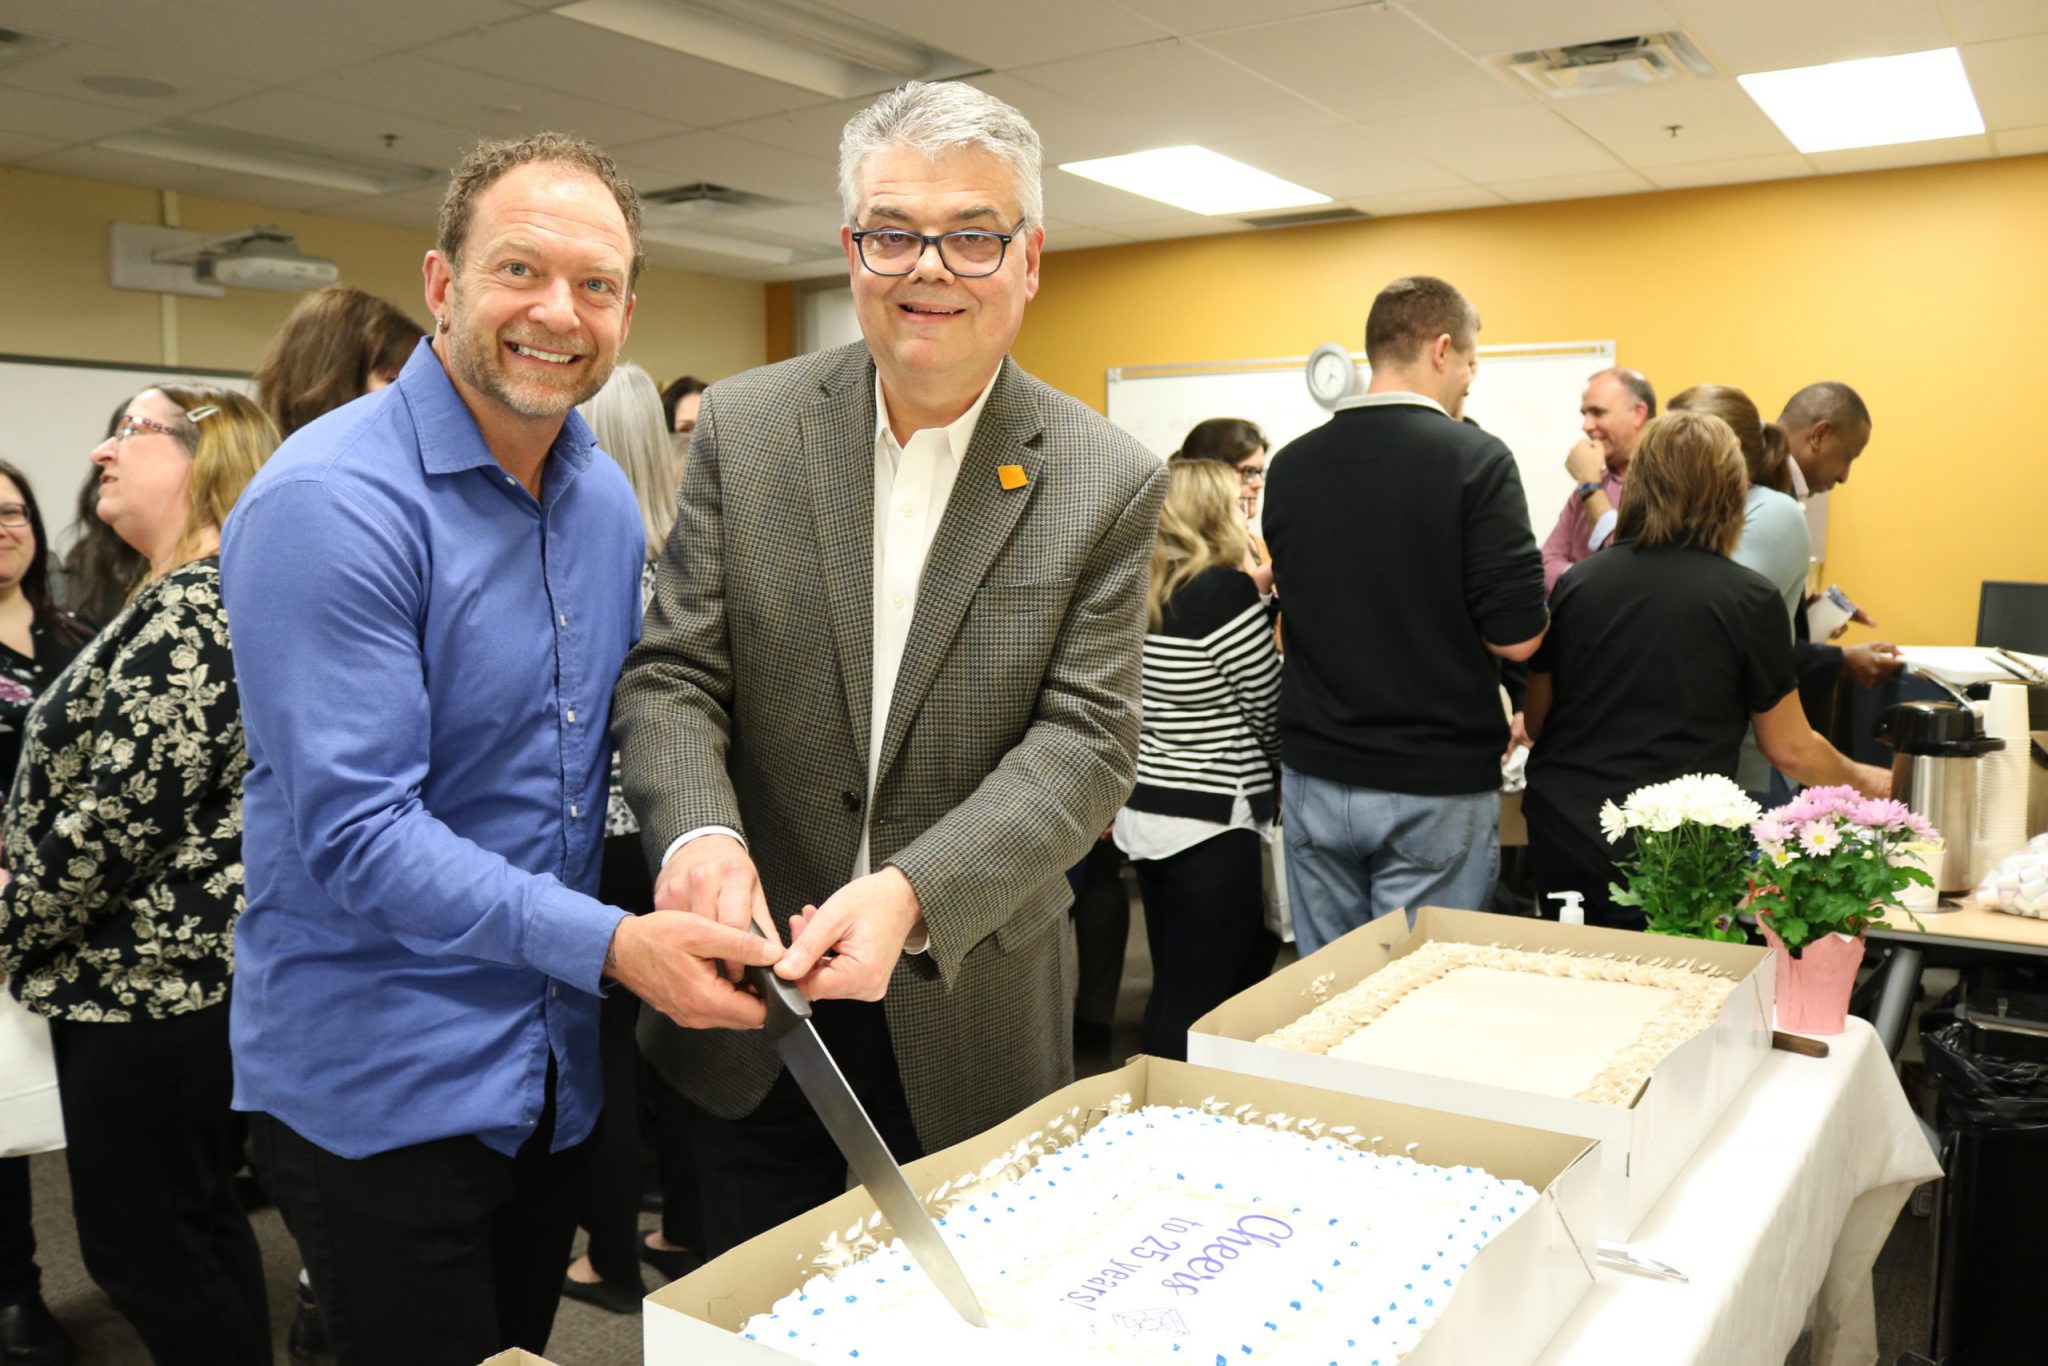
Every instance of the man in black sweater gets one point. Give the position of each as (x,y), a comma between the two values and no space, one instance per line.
(1405,565)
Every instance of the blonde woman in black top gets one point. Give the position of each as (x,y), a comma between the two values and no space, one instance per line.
(1208,745)
(123,854)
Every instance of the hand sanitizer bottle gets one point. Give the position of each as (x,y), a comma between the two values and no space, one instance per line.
(1571,907)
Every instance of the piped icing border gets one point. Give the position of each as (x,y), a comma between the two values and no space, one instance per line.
(866,1236)
(1700,991)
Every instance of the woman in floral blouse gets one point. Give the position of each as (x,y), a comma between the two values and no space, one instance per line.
(122,845)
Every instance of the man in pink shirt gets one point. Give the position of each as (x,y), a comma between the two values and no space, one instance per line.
(1616,404)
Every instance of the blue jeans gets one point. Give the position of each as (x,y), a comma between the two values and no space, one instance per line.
(1356,853)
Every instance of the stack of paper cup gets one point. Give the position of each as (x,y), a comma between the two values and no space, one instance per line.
(2002,780)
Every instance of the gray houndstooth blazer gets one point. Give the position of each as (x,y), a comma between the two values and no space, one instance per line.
(1012,734)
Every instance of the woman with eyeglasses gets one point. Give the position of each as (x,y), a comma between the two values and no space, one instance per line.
(123,879)
(1240,444)
(36,642)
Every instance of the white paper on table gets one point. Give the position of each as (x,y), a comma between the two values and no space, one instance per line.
(1958,665)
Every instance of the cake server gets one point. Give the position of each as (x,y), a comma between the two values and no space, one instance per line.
(1622,1257)
(810,1063)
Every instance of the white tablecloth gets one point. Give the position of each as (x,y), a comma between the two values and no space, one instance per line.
(1780,1215)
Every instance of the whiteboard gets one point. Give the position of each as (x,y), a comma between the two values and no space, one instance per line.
(57,411)
(1528,396)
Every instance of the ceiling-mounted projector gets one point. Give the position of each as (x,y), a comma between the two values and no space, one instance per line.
(261,258)
(170,261)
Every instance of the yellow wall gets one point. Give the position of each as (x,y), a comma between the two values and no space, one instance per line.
(55,299)
(1926,289)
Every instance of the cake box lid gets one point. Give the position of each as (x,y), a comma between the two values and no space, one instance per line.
(1517,1291)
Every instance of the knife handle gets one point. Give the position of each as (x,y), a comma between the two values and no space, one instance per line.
(786,1005)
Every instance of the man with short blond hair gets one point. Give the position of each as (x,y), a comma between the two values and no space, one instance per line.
(888,692)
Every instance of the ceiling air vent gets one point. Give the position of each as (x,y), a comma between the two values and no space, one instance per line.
(1615,64)
(700,201)
(1307,218)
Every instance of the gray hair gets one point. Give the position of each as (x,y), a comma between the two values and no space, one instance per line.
(938,117)
(626,415)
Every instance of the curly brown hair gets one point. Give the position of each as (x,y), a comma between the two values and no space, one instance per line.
(488,161)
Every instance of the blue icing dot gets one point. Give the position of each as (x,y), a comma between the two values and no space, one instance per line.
(851,1298)
(1272,1326)
(1430,1303)
(1294,1304)
(1375,1319)
(817,1311)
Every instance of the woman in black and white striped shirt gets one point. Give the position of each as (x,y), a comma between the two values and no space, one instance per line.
(1207,748)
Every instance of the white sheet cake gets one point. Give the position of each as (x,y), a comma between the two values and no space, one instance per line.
(1561,1024)
(1168,1235)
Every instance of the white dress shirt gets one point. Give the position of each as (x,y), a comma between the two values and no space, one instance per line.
(913,483)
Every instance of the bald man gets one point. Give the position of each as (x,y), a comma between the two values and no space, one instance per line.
(1612,411)
(1827,427)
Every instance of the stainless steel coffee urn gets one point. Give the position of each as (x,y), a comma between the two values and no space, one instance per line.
(1934,773)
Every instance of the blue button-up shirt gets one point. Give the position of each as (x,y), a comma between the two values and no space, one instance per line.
(426,658)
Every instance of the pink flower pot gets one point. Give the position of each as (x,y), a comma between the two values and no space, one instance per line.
(1813,989)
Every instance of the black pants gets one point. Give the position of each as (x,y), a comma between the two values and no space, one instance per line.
(608,1203)
(1554,870)
(779,1161)
(1102,928)
(20,1279)
(1205,919)
(438,1254)
(152,1157)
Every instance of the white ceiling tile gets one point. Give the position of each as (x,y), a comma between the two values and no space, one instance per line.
(1901,154)
(575,58)
(395,210)
(1342,162)
(815,224)
(1488,28)
(1427,201)
(1367,64)
(58,72)
(20,147)
(1190,17)
(1716,120)
(397,24)
(1188,93)
(1744,36)
(1593,186)
(1005,36)
(809,131)
(1739,171)
(500,106)
(1501,144)
(353,129)
(2020,142)
(722,159)
(65,120)
(187,44)
(1069,129)
(2011,80)
(122,168)
(1981,21)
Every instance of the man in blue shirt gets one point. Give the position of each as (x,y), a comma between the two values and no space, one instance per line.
(431,591)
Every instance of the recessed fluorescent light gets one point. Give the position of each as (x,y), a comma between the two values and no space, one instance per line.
(1876,102)
(1196,179)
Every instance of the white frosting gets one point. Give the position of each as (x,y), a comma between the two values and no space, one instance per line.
(1172,1235)
(1554,1023)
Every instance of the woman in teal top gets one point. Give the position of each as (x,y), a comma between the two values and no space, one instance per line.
(1775,541)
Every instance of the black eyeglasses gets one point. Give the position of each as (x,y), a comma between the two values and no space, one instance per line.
(970,253)
(13,514)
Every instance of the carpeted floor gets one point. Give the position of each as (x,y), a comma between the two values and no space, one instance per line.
(590,1337)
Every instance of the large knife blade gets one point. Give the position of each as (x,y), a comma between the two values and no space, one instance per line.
(810,1062)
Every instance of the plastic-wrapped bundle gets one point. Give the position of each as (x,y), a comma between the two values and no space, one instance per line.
(2018,883)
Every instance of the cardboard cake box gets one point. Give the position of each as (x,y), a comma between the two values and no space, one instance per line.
(1643,1145)
(1519,1288)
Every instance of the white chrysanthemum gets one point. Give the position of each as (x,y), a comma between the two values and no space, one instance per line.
(1612,823)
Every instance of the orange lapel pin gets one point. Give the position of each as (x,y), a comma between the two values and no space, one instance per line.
(1011,476)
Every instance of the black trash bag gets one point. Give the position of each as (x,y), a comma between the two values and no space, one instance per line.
(1982,1094)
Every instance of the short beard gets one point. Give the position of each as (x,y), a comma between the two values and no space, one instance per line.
(471,359)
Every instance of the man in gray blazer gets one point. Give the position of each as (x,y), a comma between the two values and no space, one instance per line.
(888,687)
